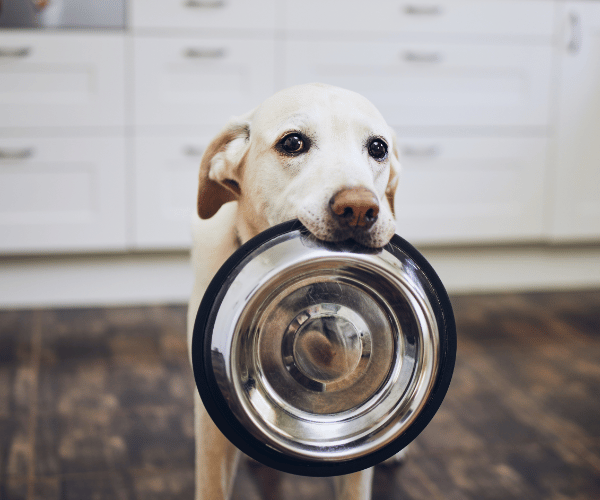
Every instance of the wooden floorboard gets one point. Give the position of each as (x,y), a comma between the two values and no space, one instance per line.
(97,404)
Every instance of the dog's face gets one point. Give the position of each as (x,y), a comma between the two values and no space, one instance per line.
(318,153)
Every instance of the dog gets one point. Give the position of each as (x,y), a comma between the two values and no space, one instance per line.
(318,153)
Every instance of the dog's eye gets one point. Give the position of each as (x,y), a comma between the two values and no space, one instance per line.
(378,149)
(293,144)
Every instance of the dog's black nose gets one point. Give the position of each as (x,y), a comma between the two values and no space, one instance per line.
(355,207)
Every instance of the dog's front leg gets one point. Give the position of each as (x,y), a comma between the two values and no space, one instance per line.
(355,486)
(216,458)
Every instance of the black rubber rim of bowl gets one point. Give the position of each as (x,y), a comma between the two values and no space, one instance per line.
(228,424)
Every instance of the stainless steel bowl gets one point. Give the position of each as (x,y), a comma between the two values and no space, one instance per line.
(323,359)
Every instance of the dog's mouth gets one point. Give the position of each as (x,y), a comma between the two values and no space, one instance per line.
(376,236)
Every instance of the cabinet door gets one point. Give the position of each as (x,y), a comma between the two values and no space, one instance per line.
(61,80)
(166,175)
(462,190)
(576,199)
(432,84)
(62,194)
(195,81)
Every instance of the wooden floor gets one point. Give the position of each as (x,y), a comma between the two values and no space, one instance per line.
(96,404)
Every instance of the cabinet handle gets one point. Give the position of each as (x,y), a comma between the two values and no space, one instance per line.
(422,10)
(421,151)
(422,57)
(193,151)
(575,39)
(193,53)
(17,154)
(17,52)
(204,4)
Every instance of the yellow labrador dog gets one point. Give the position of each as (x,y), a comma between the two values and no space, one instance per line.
(314,152)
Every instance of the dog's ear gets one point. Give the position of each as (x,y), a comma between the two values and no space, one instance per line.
(221,165)
(392,184)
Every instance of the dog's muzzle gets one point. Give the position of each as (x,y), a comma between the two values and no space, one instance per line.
(323,359)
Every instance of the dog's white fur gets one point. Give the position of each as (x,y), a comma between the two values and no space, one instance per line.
(247,185)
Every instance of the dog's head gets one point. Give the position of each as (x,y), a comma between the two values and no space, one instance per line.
(318,153)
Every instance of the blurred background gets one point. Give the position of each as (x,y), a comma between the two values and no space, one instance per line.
(105,110)
(106,107)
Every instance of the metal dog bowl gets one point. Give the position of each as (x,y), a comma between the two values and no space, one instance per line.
(323,359)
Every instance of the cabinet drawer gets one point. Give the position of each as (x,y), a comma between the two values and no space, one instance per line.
(166,186)
(62,194)
(455,17)
(61,80)
(204,14)
(196,81)
(461,190)
(427,84)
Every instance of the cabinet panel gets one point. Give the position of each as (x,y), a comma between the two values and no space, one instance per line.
(203,14)
(195,81)
(61,80)
(166,173)
(576,207)
(426,84)
(455,190)
(501,18)
(62,194)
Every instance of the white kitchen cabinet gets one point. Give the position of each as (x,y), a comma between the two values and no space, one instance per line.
(468,85)
(224,66)
(61,79)
(166,173)
(474,189)
(433,84)
(489,18)
(196,81)
(204,14)
(64,194)
(575,204)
